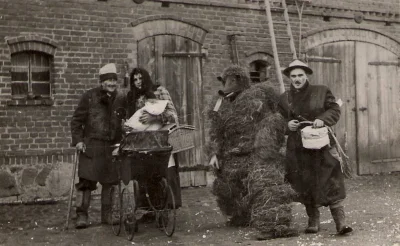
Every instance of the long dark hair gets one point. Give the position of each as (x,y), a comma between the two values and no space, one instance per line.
(134,93)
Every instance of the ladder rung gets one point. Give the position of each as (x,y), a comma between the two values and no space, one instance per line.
(282,52)
(279,23)
(282,37)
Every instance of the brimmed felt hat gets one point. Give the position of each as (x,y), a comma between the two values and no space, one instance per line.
(297,64)
(108,71)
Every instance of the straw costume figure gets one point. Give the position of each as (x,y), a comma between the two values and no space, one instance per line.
(246,135)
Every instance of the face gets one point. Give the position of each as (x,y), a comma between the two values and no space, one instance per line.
(231,83)
(137,80)
(298,77)
(110,85)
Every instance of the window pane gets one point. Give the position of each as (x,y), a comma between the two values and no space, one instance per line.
(20,67)
(19,89)
(40,71)
(41,76)
(19,76)
(42,89)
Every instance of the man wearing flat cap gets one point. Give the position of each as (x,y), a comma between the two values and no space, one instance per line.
(315,174)
(95,128)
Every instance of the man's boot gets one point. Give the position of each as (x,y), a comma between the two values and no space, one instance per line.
(82,206)
(340,220)
(106,205)
(313,219)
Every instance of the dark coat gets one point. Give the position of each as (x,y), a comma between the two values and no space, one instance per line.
(94,122)
(315,174)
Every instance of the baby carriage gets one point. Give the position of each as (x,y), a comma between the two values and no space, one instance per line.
(142,162)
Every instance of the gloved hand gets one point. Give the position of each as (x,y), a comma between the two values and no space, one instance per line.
(80,147)
(214,162)
(293,125)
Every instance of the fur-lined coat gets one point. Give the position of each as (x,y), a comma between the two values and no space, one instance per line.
(95,123)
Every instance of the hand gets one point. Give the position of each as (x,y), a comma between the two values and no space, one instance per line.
(293,125)
(80,147)
(235,150)
(146,117)
(318,123)
(127,128)
(214,162)
(115,152)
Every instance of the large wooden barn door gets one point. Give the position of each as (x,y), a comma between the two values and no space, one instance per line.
(377,83)
(175,62)
(365,76)
(333,65)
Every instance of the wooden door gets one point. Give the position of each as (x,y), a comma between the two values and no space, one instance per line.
(175,62)
(333,65)
(365,76)
(378,105)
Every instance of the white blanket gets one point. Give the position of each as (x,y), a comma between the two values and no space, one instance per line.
(154,107)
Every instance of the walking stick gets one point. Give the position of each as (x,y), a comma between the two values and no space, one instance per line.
(71,192)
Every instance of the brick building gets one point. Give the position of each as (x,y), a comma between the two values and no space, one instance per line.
(52,50)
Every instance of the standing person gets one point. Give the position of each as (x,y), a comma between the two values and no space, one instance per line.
(315,174)
(141,90)
(94,128)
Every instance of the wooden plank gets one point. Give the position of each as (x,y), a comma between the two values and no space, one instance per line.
(185,179)
(210,177)
(373,112)
(198,178)
(362,86)
(333,65)
(146,55)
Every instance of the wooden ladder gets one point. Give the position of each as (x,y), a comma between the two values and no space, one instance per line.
(289,37)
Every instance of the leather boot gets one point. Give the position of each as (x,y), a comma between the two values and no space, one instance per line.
(340,221)
(82,206)
(106,205)
(313,219)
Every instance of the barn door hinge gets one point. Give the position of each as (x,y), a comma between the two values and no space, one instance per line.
(385,160)
(323,59)
(383,63)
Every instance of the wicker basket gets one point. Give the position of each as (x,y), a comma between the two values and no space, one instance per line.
(181,137)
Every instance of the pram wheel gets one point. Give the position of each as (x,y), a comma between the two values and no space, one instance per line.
(162,202)
(129,198)
(116,208)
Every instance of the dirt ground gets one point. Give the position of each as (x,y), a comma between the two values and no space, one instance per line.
(373,210)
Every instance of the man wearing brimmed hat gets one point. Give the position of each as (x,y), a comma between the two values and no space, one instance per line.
(95,128)
(314,173)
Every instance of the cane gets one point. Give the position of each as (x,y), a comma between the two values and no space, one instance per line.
(71,192)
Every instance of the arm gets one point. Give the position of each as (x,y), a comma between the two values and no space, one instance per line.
(285,111)
(332,110)
(79,120)
(169,114)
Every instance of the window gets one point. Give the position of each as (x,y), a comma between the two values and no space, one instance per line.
(259,71)
(30,75)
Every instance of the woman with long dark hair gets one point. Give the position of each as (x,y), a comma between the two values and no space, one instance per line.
(141,90)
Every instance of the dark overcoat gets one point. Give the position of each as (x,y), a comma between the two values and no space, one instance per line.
(315,174)
(94,122)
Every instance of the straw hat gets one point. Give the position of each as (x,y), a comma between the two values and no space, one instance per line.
(297,64)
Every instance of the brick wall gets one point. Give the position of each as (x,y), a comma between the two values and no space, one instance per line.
(87,34)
